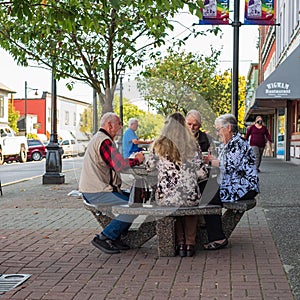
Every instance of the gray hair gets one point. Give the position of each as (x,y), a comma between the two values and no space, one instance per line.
(131,121)
(227,119)
(194,114)
(108,117)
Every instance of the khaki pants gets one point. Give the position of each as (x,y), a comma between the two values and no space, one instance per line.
(186,229)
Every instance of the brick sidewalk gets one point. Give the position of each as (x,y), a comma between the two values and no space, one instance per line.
(47,234)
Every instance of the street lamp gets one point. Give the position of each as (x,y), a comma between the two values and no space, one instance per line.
(25,104)
(53,173)
(235,68)
(121,71)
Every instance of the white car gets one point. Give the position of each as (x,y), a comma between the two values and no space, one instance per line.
(71,147)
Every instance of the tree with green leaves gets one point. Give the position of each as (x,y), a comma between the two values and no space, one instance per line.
(89,41)
(183,81)
(222,104)
(180,82)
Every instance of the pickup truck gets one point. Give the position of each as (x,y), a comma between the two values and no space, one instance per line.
(71,147)
(12,147)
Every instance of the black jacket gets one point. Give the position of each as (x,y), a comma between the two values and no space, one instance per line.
(203,140)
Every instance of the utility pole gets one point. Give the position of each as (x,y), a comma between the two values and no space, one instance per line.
(25,109)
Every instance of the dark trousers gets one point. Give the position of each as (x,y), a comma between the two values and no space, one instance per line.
(258,151)
(214,222)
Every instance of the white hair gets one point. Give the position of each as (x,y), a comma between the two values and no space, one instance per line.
(194,114)
(131,121)
(108,117)
(227,119)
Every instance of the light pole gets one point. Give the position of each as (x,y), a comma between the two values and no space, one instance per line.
(53,173)
(236,24)
(121,71)
(25,105)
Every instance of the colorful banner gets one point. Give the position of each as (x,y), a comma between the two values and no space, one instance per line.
(215,12)
(259,12)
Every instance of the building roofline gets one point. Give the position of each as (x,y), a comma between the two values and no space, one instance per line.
(5,88)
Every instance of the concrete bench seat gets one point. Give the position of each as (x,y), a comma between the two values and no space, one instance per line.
(142,229)
(165,221)
(156,220)
(162,211)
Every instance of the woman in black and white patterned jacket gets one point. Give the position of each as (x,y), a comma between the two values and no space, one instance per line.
(238,177)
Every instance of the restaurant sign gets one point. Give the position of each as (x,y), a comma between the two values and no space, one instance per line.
(277,89)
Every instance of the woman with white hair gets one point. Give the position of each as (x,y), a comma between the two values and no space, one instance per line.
(238,177)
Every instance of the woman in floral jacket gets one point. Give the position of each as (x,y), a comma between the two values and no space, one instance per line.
(238,178)
(179,162)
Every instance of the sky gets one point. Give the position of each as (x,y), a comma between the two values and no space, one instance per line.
(14,76)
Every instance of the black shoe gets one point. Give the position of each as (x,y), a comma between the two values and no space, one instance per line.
(120,245)
(190,250)
(106,245)
(182,250)
(215,245)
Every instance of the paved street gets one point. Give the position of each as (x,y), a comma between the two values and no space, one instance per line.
(46,233)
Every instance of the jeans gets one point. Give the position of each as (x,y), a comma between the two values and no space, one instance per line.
(121,223)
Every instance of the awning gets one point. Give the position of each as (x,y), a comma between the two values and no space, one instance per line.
(282,85)
(284,81)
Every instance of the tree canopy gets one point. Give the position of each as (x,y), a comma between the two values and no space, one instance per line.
(89,41)
(183,81)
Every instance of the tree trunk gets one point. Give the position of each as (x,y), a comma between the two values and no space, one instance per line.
(108,104)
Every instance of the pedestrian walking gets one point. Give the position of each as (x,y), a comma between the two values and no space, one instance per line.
(259,136)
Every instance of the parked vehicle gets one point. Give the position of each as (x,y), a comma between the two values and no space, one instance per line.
(36,150)
(71,147)
(12,147)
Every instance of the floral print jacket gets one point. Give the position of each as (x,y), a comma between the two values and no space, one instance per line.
(238,174)
(178,183)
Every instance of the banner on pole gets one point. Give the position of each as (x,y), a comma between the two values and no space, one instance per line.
(215,12)
(259,12)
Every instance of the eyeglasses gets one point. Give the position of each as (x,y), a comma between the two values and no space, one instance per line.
(218,129)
